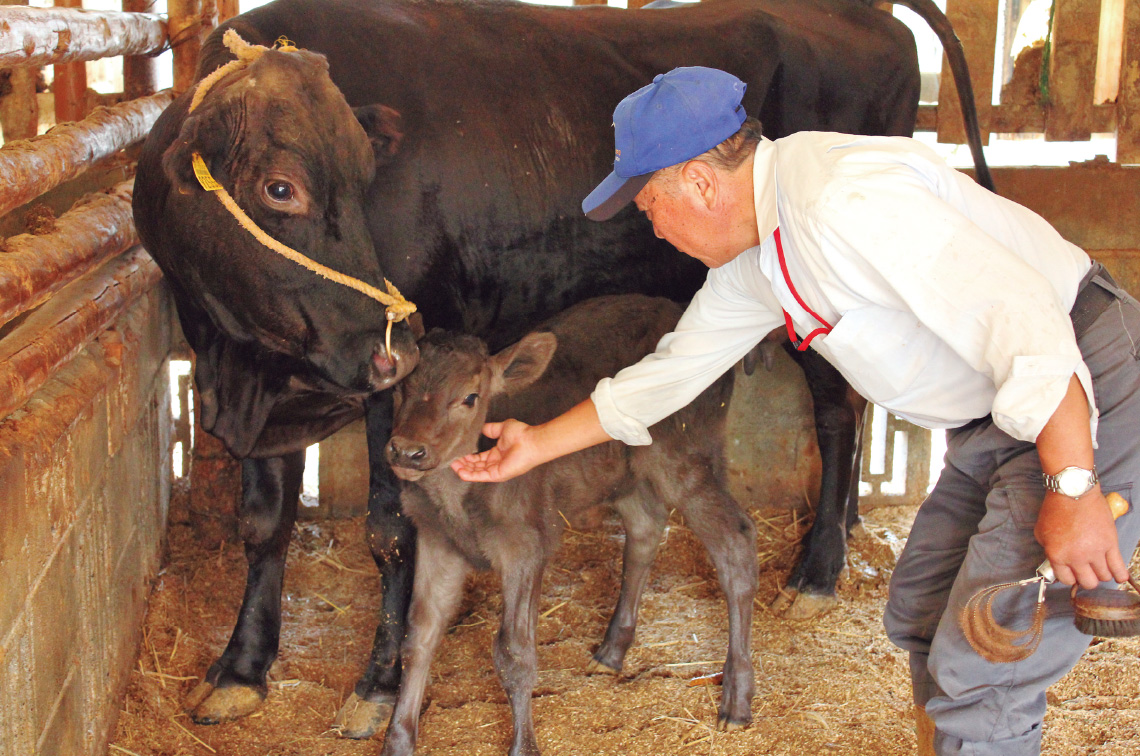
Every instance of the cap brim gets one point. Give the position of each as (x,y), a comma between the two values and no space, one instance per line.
(612,195)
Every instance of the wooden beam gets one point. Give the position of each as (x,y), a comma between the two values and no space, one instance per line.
(35,166)
(33,267)
(39,36)
(55,333)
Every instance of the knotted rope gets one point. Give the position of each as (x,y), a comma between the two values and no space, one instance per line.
(396,307)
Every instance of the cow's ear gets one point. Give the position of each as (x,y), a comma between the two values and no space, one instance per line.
(200,133)
(518,366)
(385,129)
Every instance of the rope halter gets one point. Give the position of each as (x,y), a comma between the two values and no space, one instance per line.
(396,307)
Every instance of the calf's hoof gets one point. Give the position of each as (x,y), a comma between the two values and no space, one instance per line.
(359,719)
(794,605)
(727,724)
(595,667)
(208,705)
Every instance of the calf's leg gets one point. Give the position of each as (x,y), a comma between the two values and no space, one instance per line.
(516,660)
(235,683)
(392,541)
(644,521)
(729,535)
(440,573)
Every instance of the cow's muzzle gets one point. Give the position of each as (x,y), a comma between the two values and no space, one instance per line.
(410,459)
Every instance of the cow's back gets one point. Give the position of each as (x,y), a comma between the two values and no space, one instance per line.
(506,113)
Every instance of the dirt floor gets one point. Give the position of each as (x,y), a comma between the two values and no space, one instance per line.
(834,685)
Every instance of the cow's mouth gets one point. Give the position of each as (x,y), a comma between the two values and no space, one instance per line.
(408,473)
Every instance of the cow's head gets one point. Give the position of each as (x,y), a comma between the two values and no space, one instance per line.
(442,405)
(282,140)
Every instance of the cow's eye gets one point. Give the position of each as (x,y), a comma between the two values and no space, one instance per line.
(279,191)
(470,399)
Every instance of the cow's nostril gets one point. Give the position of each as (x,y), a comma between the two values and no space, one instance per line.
(418,455)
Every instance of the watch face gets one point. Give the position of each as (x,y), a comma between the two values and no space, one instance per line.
(1074,482)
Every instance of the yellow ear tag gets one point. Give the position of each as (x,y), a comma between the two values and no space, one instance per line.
(202,173)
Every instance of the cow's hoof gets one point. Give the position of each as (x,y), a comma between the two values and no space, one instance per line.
(794,605)
(360,719)
(208,705)
(595,667)
(725,724)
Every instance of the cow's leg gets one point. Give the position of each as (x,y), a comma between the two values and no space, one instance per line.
(644,521)
(693,487)
(440,573)
(392,540)
(516,660)
(839,413)
(235,683)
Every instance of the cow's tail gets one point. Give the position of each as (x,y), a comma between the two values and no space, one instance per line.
(937,21)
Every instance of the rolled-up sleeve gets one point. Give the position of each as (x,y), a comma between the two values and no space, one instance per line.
(731,313)
(1002,310)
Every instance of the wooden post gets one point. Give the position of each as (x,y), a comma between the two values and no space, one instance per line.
(19,109)
(189,22)
(70,83)
(227,9)
(1109,43)
(1128,101)
(1072,70)
(975,21)
(140,73)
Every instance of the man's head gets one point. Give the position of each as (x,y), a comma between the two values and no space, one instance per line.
(688,132)
(680,115)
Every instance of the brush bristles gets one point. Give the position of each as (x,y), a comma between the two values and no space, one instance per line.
(1103,628)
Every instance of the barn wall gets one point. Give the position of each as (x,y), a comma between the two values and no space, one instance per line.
(84,489)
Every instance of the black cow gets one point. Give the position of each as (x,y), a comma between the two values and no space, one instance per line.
(478,128)
(514,527)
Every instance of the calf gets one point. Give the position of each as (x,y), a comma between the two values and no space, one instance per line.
(514,527)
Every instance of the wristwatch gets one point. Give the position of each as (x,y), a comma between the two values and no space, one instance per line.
(1073,482)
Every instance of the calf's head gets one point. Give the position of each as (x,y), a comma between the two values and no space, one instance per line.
(442,405)
(282,140)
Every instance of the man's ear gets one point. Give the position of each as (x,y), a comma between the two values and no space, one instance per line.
(385,129)
(520,365)
(701,181)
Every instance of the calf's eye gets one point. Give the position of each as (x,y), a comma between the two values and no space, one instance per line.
(279,191)
(470,399)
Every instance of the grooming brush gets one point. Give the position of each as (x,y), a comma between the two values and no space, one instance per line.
(1107,612)
(1119,612)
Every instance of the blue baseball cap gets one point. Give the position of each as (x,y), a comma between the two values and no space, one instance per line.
(682,114)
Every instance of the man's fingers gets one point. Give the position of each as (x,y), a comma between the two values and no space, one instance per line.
(492,430)
(1117,566)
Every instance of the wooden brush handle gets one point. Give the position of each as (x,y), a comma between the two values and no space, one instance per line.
(1116,503)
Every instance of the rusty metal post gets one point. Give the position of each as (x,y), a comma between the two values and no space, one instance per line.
(140,72)
(70,82)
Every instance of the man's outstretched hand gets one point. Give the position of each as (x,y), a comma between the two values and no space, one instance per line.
(511,457)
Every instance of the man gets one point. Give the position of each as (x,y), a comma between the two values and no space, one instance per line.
(944,303)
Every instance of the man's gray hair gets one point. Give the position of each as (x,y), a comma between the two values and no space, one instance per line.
(728,155)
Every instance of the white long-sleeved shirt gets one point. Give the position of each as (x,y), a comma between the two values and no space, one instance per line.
(947,302)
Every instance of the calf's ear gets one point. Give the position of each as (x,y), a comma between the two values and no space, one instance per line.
(520,365)
(385,129)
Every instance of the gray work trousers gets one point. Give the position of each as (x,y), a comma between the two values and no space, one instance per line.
(976,530)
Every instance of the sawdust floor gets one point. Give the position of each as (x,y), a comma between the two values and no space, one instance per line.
(834,685)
